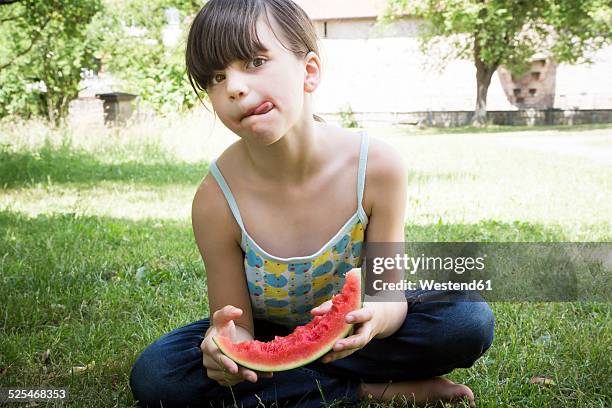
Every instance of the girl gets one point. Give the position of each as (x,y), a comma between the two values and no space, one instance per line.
(279,219)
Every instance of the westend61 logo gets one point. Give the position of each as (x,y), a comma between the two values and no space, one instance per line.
(459,265)
(503,271)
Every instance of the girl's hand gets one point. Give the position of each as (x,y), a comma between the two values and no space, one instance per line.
(367,323)
(219,367)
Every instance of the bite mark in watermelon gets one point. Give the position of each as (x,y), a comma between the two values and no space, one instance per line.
(307,343)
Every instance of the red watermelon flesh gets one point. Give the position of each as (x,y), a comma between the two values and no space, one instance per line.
(306,343)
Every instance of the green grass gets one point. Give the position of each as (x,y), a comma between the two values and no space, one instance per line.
(97,258)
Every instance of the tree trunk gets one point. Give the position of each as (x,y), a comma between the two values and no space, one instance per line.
(484,73)
(50,105)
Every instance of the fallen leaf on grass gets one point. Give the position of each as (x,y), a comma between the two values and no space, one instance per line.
(115,380)
(4,370)
(80,369)
(45,357)
(542,381)
(141,273)
(544,339)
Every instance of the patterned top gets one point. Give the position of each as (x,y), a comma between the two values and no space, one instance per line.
(283,290)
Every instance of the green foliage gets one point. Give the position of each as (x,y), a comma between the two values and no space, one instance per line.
(133,50)
(347,117)
(44,45)
(510,32)
(53,41)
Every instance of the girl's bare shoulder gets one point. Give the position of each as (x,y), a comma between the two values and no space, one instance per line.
(383,158)
(378,149)
(386,174)
(210,207)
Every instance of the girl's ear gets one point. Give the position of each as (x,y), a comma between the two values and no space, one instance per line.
(312,73)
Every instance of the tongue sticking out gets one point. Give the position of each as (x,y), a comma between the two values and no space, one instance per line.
(263,108)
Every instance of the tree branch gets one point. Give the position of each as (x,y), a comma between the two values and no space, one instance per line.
(11,18)
(4,2)
(33,41)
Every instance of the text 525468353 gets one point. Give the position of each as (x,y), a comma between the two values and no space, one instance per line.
(25,394)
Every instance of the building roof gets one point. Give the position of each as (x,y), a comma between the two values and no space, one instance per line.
(342,9)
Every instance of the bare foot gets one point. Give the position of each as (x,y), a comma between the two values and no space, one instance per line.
(432,391)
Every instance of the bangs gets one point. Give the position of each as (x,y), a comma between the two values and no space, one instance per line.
(220,34)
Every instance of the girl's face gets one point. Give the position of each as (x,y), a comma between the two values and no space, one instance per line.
(261,99)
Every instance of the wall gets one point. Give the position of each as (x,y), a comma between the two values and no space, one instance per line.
(524,117)
(378,69)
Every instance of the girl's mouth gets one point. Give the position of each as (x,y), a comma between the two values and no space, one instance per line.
(262,109)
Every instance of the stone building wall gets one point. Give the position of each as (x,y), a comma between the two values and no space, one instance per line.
(534,89)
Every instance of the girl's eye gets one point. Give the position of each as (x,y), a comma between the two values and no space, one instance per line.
(257,62)
(217,78)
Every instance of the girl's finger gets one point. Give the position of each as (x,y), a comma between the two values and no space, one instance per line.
(359,316)
(223,378)
(243,374)
(247,374)
(356,341)
(209,363)
(322,308)
(225,315)
(227,363)
(215,363)
(353,342)
(213,357)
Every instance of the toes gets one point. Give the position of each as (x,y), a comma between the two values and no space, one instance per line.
(459,392)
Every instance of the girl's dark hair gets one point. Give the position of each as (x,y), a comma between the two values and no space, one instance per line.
(225,30)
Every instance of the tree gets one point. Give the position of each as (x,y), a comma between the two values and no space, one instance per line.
(44,45)
(509,33)
(134,51)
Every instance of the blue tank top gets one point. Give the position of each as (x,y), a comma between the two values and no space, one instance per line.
(283,290)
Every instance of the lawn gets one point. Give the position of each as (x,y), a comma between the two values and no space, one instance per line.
(97,258)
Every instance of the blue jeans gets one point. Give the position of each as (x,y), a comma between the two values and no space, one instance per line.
(442,331)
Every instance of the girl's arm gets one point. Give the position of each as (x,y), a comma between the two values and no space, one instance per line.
(386,187)
(385,200)
(217,236)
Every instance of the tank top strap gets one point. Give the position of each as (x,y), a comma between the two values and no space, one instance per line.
(214,169)
(363,161)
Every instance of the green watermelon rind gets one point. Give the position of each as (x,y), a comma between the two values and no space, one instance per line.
(277,367)
(298,363)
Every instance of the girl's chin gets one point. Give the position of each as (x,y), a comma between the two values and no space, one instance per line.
(265,135)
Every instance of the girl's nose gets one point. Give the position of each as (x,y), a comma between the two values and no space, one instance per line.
(236,85)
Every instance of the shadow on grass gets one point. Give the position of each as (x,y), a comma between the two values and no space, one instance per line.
(164,250)
(101,246)
(64,248)
(95,268)
(65,165)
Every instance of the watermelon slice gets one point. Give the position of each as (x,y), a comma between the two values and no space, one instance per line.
(307,343)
